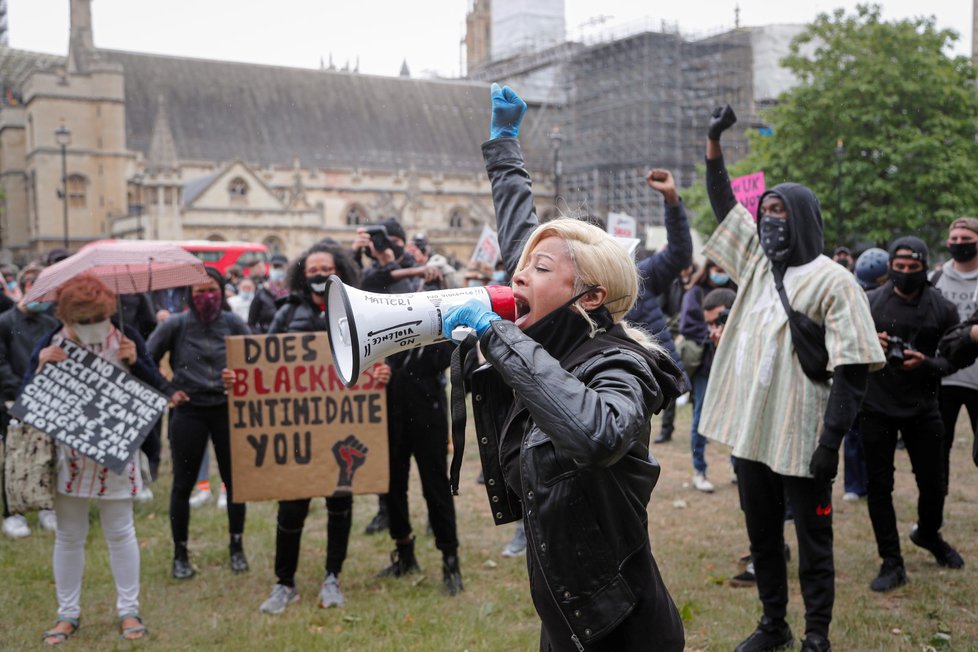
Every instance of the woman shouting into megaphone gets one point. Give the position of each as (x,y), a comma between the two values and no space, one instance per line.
(562,413)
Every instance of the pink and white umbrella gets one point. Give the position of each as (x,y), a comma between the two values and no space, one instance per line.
(126,266)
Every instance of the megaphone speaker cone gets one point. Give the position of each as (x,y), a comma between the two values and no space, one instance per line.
(365,327)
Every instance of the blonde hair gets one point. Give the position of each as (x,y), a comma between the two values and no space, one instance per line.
(598,260)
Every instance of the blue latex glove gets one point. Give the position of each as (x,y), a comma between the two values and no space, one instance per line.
(507,112)
(472,313)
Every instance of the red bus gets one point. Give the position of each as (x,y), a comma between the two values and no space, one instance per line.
(221,254)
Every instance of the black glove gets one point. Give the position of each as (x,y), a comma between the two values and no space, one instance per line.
(721,119)
(825,464)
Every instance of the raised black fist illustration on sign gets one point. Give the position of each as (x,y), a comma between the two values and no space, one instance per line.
(350,454)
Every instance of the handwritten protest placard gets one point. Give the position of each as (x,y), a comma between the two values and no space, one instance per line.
(487,248)
(91,405)
(296,430)
(748,190)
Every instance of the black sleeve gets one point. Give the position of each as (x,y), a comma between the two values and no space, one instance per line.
(940,365)
(846,396)
(718,188)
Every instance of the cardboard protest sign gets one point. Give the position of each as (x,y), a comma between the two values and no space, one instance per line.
(91,405)
(748,190)
(296,430)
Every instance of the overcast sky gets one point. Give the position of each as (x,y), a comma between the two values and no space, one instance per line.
(382,33)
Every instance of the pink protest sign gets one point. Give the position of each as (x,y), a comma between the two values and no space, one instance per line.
(748,190)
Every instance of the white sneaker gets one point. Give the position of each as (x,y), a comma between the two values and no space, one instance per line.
(850,497)
(222,498)
(16,527)
(330,594)
(48,519)
(682,400)
(702,484)
(200,497)
(281,597)
(144,495)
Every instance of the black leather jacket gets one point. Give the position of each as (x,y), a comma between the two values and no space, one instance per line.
(585,468)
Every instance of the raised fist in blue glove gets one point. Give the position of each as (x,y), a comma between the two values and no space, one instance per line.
(473,313)
(507,112)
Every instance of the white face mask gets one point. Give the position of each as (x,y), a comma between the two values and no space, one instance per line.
(92,334)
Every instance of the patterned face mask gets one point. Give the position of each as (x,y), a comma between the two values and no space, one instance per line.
(208,305)
(775,237)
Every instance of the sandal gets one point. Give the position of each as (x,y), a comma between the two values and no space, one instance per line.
(132,633)
(61,637)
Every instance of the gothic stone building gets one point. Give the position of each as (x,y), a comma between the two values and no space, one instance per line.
(176,148)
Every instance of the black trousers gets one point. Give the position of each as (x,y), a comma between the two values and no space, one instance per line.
(190,428)
(417,425)
(923,436)
(951,398)
(762,495)
(152,446)
(668,419)
(291,519)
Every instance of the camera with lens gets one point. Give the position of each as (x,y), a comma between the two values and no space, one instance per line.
(895,351)
(721,319)
(378,236)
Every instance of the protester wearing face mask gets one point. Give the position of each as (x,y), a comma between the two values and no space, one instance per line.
(910,318)
(241,302)
(20,330)
(958,282)
(697,351)
(304,311)
(843,256)
(84,306)
(773,406)
(195,341)
(268,294)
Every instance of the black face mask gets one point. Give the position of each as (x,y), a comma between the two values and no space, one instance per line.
(775,237)
(317,284)
(908,282)
(962,252)
(398,251)
(564,329)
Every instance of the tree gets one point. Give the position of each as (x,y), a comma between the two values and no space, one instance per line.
(906,112)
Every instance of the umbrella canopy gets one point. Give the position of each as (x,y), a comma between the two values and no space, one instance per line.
(125,266)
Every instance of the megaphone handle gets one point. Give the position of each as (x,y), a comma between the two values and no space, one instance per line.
(459,333)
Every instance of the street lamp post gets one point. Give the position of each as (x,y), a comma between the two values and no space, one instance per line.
(63,137)
(840,153)
(555,139)
(137,181)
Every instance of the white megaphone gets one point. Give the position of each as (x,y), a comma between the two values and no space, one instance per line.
(365,327)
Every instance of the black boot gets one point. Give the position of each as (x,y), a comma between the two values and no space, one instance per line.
(182,570)
(770,635)
(403,561)
(380,522)
(239,563)
(451,575)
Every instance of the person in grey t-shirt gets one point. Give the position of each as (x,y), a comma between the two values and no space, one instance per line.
(958,282)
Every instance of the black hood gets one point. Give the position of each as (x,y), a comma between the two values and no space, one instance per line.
(221,283)
(806,240)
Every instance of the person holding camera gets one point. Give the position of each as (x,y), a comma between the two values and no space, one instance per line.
(417,411)
(910,317)
(799,321)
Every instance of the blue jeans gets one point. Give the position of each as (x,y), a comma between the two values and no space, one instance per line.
(698,441)
(854,473)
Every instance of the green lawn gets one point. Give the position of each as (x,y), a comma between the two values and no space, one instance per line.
(697,539)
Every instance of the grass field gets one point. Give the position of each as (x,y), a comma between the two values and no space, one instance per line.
(696,538)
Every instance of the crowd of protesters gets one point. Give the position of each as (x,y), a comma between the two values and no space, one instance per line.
(787,355)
